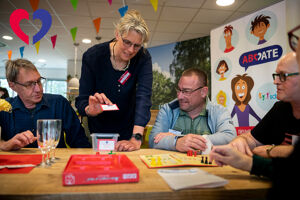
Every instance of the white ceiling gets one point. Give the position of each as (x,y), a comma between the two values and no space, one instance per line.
(175,20)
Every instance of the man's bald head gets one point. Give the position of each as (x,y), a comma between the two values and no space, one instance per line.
(288,63)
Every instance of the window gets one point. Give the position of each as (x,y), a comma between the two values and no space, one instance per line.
(56,87)
(4,84)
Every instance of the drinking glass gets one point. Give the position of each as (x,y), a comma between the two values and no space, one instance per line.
(55,136)
(43,138)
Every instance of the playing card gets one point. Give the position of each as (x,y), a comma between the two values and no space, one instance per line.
(208,144)
(109,107)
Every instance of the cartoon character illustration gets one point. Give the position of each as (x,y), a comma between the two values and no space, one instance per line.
(227,36)
(259,27)
(221,98)
(241,87)
(222,69)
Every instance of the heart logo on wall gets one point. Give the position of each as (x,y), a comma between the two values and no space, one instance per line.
(41,14)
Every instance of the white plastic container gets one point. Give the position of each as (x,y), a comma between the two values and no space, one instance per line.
(104,142)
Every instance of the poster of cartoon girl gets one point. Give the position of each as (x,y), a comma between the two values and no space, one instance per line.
(222,69)
(221,98)
(241,87)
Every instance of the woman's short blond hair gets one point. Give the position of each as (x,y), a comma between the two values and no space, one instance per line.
(133,20)
(12,68)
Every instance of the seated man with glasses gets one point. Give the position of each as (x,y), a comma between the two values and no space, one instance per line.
(188,122)
(31,104)
(280,120)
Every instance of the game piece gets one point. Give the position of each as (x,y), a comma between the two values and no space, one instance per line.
(158,161)
(153,162)
(195,153)
(111,152)
(206,160)
(189,153)
(202,160)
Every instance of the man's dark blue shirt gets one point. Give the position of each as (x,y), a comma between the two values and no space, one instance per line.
(51,107)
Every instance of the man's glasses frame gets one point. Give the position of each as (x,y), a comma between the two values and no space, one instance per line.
(32,84)
(282,76)
(187,92)
(293,39)
(128,44)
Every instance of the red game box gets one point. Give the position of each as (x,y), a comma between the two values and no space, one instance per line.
(99,169)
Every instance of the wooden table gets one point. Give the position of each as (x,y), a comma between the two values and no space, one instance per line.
(46,183)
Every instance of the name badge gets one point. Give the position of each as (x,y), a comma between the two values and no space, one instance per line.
(124,77)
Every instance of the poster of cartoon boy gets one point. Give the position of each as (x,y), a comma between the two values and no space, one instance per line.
(241,87)
(222,69)
(227,36)
(259,27)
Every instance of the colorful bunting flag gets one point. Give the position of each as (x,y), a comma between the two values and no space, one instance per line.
(73,33)
(97,24)
(154,4)
(74,4)
(9,53)
(22,51)
(37,46)
(34,4)
(110,1)
(53,40)
(123,10)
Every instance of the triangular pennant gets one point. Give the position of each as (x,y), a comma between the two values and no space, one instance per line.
(154,4)
(97,24)
(53,40)
(73,33)
(9,53)
(22,51)
(34,4)
(74,3)
(109,1)
(123,10)
(37,46)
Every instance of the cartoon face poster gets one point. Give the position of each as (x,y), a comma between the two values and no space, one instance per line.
(244,54)
(241,87)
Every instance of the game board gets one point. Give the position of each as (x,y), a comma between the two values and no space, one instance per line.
(176,160)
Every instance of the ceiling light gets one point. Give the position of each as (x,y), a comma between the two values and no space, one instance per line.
(6,37)
(86,41)
(42,60)
(224,2)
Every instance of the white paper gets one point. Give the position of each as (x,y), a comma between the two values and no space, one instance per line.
(208,144)
(199,179)
(109,107)
(106,145)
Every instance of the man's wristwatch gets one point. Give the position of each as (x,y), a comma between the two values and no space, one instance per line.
(176,138)
(137,136)
(269,149)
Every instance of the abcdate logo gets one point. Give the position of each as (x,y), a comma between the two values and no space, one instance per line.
(260,56)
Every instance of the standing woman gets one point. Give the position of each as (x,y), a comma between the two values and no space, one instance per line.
(118,72)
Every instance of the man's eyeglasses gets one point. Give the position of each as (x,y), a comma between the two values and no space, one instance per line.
(187,92)
(128,44)
(32,84)
(293,38)
(282,76)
